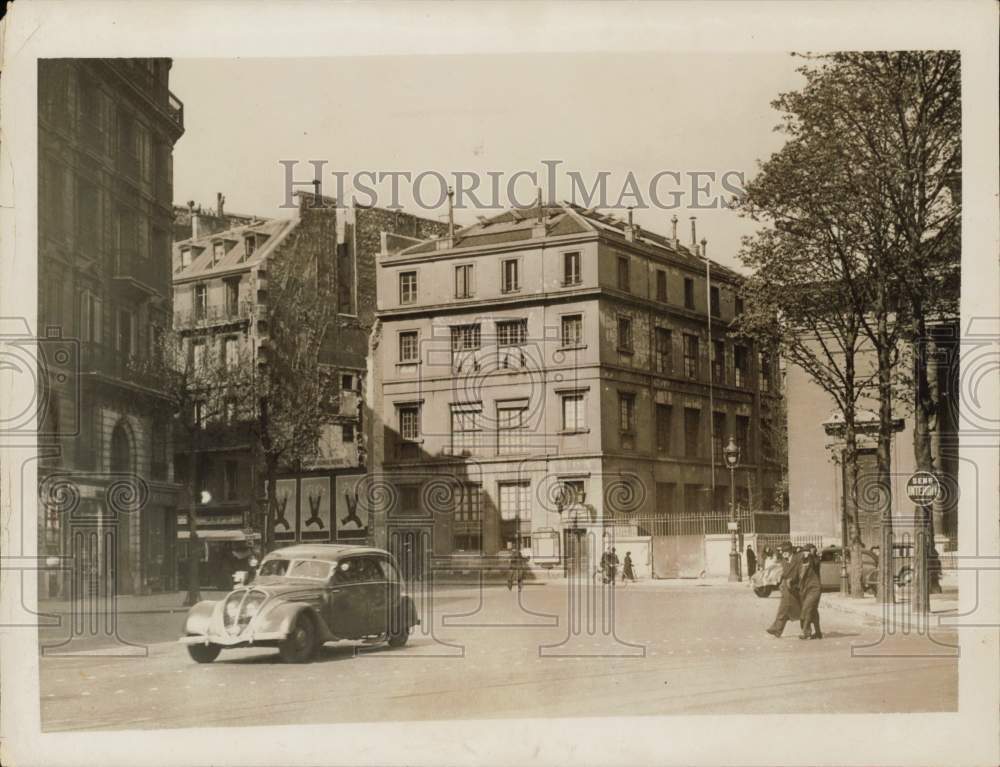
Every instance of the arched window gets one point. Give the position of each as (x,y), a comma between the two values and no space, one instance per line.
(121,449)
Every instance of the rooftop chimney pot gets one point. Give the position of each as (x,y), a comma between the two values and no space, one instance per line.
(694,233)
(451,213)
(220,202)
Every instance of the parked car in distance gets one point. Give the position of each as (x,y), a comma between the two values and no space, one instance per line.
(303,596)
(766,580)
(832,557)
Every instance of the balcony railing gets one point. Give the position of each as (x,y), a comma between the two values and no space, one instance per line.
(101,360)
(214,315)
(175,108)
(139,274)
(153,89)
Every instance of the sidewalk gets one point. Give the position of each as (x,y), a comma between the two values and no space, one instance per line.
(876,612)
(136,604)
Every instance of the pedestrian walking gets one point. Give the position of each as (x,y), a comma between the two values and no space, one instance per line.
(628,573)
(751,561)
(609,565)
(770,557)
(789,608)
(810,589)
(516,573)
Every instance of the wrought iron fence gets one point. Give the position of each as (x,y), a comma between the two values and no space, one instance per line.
(710,523)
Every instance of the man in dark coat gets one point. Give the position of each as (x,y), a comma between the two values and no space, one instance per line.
(751,561)
(788,608)
(810,589)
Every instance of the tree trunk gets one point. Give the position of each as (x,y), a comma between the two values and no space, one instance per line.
(194,554)
(271,465)
(924,459)
(855,571)
(886,582)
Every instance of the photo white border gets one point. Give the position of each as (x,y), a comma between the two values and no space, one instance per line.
(302,29)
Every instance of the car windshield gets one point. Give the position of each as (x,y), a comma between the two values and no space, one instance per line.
(274,567)
(314,569)
(317,569)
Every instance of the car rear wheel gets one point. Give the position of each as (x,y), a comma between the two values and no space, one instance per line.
(763,591)
(905,576)
(300,644)
(399,638)
(204,653)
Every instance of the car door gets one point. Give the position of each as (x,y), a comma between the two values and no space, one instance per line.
(348,611)
(376,592)
(386,613)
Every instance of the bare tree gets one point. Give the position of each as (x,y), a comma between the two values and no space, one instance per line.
(866,174)
(794,275)
(207,392)
(292,388)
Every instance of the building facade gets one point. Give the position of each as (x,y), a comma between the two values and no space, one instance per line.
(549,371)
(222,307)
(106,134)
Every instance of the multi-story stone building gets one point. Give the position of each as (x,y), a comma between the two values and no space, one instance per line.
(222,306)
(107,128)
(553,365)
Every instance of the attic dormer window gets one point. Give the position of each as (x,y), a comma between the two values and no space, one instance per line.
(250,242)
(185,258)
(218,251)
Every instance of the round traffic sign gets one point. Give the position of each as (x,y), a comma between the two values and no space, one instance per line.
(923,488)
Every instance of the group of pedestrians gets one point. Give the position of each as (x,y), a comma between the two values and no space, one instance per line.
(609,566)
(800,591)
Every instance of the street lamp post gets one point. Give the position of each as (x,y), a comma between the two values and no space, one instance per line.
(732,455)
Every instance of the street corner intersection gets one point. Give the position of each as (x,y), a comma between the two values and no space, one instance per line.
(488,652)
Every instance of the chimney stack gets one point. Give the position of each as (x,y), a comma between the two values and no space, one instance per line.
(451,213)
(704,248)
(673,225)
(631,230)
(220,202)
(538,229)
(694,234)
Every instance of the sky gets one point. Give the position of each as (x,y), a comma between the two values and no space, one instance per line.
(638,114)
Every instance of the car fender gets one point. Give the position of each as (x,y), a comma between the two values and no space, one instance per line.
(199,618)
(280,618)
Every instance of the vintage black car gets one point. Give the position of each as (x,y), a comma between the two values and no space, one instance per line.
(303,596)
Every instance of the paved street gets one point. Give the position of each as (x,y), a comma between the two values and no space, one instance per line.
(687,649)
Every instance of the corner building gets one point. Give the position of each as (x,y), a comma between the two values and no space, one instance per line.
(106,132)
(545,374)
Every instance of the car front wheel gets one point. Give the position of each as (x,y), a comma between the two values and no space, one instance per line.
(300,644)
(763,591)
(204,653)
